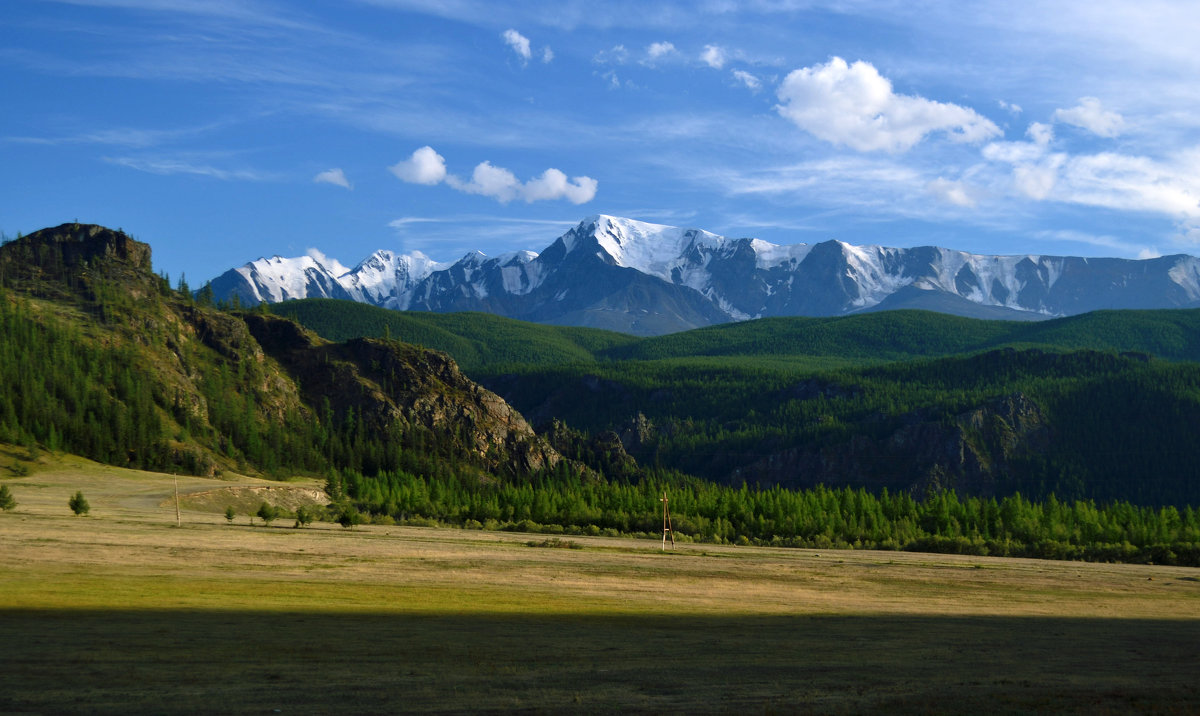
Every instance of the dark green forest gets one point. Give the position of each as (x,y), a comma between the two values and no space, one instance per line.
(1099,406)
(904,430)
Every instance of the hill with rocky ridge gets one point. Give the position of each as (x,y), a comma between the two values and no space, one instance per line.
(104,359)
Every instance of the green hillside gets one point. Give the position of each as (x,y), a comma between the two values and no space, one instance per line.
(474,340)
(481,341)
(900,335)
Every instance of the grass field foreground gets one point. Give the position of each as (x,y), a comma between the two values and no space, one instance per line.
(123,612)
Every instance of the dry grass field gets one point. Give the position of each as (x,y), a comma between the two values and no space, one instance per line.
(124,612)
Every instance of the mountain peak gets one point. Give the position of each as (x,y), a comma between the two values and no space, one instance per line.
(636,276)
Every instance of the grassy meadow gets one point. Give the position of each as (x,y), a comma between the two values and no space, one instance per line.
(121,611)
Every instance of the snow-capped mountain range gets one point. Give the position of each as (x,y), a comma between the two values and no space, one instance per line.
(647,279)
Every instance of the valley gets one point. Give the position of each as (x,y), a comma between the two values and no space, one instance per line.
(122,612)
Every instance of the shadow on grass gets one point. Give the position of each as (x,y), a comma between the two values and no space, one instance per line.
(243,662)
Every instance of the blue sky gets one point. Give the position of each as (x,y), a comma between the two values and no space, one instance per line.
(220,130)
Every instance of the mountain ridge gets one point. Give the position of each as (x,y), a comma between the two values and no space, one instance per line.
(650,279)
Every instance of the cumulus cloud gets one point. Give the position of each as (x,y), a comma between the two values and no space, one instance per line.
(1089,115)
(747,79)
(333,176)
(425,166)
(503,186)
(428,167)
(519,43)
(713,56)
(852,104)
(547,55)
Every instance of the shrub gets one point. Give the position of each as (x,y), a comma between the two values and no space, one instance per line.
(303,517)
(349,517)
(267,513)
(230,514)
(6,499)
(79,504)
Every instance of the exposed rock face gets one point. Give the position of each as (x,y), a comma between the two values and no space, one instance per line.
(388,383)
(71,249)
(973,453)
(604,451)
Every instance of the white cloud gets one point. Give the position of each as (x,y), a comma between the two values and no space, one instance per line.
(488,180)
(503,186)
(713,56)
(547,55)
(519,43)
(1036,180)
(747,79)
(425,166)
(617,55)
(1089,115)
(1041,134)
(1107,179)
(333,176)
(1010,108)
(1124,182)
(659,50)
(855,105)
(553,184)
(1022,152)
(335,266)
(953,192)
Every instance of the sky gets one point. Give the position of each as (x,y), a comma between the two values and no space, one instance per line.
(219,131)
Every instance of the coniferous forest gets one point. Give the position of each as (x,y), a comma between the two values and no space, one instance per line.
(1066,439)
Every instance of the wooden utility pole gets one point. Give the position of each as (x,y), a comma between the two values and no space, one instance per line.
(178,521)
(667,524)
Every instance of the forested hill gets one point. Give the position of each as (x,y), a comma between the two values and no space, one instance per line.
(1099,406)
(101,357)
(481,340)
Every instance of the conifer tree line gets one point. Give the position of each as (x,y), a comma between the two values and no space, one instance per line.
(561,501)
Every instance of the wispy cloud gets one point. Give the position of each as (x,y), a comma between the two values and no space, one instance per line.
(446,238)
(1089,115)
(168,166)
(335,177)
(748,80)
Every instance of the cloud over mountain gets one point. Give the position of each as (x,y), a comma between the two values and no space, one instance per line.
(426,166)
(852,104)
